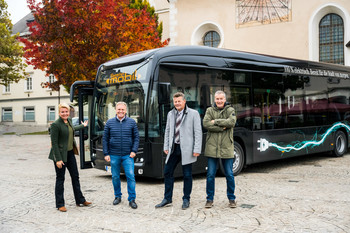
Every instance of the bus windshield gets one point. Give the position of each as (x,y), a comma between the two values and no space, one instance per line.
(128,84)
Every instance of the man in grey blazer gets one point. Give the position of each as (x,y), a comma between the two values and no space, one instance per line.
(182,142)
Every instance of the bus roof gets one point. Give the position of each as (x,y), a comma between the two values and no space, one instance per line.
(298,66)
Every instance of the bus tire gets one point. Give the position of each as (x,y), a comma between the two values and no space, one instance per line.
(238,161)
(340,144)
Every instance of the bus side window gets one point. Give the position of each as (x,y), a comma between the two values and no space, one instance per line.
(268,111)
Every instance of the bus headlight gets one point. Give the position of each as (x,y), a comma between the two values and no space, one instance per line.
(139,160)
(140,171)
(93,157)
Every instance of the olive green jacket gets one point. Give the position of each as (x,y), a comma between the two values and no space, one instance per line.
(59,140)
(219,140)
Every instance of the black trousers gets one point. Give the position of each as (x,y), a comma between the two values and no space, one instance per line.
(71,165)
(169,169)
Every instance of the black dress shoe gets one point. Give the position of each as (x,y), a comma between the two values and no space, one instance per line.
(164,203)
(133,204)
(117,200)
(185,204)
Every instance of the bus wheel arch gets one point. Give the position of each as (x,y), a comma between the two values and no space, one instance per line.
(238,161)
(340,143)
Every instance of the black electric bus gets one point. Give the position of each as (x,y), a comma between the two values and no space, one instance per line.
(284,107)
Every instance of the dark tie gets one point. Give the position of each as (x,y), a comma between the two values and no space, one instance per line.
(177,128)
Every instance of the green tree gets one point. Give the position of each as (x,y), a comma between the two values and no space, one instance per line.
(11,65)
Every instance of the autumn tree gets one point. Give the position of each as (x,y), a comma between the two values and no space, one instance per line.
(71,38)
(11,65)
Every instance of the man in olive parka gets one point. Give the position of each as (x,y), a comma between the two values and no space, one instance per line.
(220,120)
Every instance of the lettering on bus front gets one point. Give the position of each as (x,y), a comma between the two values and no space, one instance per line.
(123,78)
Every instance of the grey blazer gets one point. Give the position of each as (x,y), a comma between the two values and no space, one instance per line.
(190,135)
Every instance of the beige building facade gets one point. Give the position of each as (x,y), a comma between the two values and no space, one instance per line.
(27,105)
(287,28)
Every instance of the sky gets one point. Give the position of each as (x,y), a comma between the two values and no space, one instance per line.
(17,9)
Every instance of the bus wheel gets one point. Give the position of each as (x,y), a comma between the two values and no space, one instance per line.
(238,161)
(340,144)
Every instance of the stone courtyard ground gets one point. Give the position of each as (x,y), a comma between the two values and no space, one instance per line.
(305,194)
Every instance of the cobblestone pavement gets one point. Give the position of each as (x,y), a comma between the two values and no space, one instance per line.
(305,194)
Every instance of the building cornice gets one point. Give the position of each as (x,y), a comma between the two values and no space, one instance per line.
(33,98)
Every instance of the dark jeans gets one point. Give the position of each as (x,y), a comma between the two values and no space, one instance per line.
(174,159)
(230,179)
(71,165)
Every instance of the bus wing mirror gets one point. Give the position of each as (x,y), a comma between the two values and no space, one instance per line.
(164,93)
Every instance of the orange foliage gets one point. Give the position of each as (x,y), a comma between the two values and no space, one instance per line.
(71,38)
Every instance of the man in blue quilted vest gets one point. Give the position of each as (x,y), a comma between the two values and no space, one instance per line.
(120,145)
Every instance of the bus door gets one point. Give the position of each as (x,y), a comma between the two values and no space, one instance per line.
(83,91)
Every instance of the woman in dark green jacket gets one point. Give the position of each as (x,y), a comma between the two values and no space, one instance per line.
(63,148)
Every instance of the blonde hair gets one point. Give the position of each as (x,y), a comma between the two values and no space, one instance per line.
(63,105)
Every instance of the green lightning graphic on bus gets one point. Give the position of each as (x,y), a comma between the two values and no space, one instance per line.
(265,144)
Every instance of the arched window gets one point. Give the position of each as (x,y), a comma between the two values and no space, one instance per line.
(331,37)
(211,39)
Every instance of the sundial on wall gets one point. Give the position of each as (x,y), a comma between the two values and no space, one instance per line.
(260,12)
